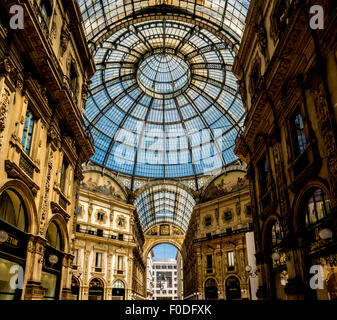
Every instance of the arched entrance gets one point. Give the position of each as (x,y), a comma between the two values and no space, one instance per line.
(211,289)
(96,289)
(233,289)
(75,288)
(164,272)
(118,290)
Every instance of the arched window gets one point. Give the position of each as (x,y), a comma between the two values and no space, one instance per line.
(317,207)
(276,234)
(12,209)
(54,237)
(118,290)
(118,284)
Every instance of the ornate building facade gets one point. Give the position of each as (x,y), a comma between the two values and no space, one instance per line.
(45,65)
(215,251)
(108,245)
(287,66)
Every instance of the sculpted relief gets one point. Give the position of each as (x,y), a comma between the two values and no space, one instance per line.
(102,184)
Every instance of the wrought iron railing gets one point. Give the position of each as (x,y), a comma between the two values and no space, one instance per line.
(102,235)
(223,235)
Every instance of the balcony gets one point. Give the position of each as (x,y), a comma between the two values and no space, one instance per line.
(223,235)
(101,234)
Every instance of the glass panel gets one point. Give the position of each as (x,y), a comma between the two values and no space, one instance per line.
(7,292)
(318,207)
(49,282)
(230,256)
(27,132)
(54,236)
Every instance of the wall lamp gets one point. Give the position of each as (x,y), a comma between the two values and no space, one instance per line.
(252,272)
(3,236)
(325,234)
(276,256)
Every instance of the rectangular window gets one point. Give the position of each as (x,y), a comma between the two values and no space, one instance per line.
(264,175)
(230,258)
(75,257)
(63,175)
(98,260)
(208,221)
(120,263)
(100,232)
(249,210)
(79,211)
(78,228)
(28,132)
(298,134)
(46,10)
(228,215)
(100,216)
(209,263)
(73,78)
(120,236)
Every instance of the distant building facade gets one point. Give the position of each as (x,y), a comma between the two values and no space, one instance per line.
(215,249)
(108,245)
(165,279)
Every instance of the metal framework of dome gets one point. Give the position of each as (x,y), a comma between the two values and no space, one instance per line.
(163,102)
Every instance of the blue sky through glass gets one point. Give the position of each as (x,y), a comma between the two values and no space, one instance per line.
(164,251)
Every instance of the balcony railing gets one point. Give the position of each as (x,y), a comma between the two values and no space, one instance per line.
(102,235)
(26,166)
(223,235)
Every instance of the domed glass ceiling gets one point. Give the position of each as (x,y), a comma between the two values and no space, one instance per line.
(162,74)
(163,102)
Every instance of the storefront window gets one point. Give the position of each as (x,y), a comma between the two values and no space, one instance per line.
(9,286)
(12,209)
(49,282)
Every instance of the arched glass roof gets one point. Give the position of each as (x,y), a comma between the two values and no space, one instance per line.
(102,17)
(164,203)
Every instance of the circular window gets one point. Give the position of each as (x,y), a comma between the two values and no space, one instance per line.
(163,74)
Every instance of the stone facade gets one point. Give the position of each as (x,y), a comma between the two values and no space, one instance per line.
(43,80)
(108,241)
(214,249)
(287,74)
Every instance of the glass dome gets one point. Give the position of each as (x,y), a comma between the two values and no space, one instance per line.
(164,102)
(163,74)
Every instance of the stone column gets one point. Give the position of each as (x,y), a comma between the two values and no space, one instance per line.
(34,261)
(67,273)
